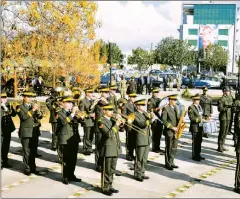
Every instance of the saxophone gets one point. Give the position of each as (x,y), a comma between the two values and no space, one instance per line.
(181,125)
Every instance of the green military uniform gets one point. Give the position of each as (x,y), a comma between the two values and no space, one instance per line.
(68,140)
(29,137)
(7,127)
(98,135)
(232,114)
(130,136)
(206,104)
(132,86)
(195,115)
(51,105)
(143,141)
(224,108)
(113,100)
(170,118)
(110,151)
(236,109)
(156,126)
(88,124)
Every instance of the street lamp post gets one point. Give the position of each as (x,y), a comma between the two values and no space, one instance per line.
(110,59)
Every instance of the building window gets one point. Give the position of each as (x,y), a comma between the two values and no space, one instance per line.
(214,14)
(223,43)
(223,31)
(193,42)
(192,31)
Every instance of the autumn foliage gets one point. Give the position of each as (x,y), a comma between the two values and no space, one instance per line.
(57,36)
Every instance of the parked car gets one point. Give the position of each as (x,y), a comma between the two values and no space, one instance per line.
(231,82)
(214,82)
(200,83)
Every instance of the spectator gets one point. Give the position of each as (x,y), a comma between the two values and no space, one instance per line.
(148,84)
(140,84)
(40,85)
(132,86)
(171,81)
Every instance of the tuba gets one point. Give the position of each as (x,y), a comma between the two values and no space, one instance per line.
(181,125)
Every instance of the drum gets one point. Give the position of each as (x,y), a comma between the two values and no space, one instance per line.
(210,127)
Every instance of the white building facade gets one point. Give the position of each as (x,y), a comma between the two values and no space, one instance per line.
(212,23)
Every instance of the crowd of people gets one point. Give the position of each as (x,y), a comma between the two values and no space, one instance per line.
(104,117)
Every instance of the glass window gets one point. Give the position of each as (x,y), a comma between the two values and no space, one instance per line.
(192,42)
(192,31)
(223,43)
(214,14)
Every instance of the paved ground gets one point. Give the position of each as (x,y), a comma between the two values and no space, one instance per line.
(211,178)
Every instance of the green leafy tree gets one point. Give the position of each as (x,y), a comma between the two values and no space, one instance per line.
(175,53)
(215,57)
(141,57)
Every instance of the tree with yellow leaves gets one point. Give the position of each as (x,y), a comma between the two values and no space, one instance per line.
(55,35)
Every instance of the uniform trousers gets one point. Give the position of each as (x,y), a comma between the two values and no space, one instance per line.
(6,139)
(87,138)
(141,160)
(170,149)
(157,129)
(224,128)
(196,144)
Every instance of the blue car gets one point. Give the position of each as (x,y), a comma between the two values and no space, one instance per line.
(199,84)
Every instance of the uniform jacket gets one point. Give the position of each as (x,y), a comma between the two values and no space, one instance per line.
(123,85)
(236,110)
(7,125)
(110,138)
(152,104)
(195,119)
(65,126)
(132,87)
(206,104)
(113,100)
(25,114)
(127,109)
(170,118)
(142,121)
(224,108)
(84,105)
(50,103)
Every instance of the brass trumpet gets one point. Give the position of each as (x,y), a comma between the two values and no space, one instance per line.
(81,114)
(128,120)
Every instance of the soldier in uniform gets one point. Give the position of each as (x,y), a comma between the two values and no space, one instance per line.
(195,113)
(68,138)
(224,108)
(27,112)
(132,86)
(97,108)
(206,104)
(170,118)
(123,87)
(143,139)
(112,97)
(232,113)
(111,148)
(156,126)
(88,124)
(7,127)
(51,104)
(236,109)
(128,108)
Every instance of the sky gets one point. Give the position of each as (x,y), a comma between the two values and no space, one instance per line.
(133,24)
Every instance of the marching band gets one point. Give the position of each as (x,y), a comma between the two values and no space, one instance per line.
(104,117)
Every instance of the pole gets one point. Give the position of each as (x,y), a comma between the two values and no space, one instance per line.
(15,83)
(110,62)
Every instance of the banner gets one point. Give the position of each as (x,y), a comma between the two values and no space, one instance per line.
(208,34)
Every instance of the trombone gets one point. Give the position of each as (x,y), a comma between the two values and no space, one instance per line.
(128,120)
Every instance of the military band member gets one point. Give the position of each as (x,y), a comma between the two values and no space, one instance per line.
(236,109)
(51,104)
(170,118)
(156,126)
(96,106)
(206,104)
(7,127)
(29,138)
(112,97)
(224,108)
(143,139)
(121,102)
(195,114)
(88,124)
(68,139)
(111,148)
(129,108)
(232,113)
